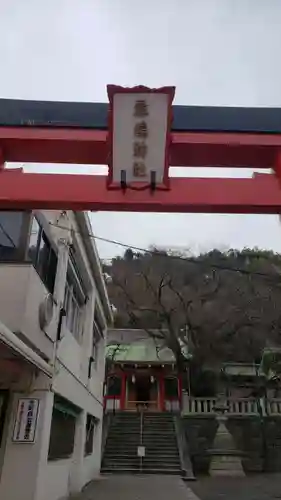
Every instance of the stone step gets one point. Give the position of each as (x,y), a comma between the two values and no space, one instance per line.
(158,432)
(158,458)
(124,435)
(127,424)
(158,435)
(153,464)
(155,420)
(171,440)
(158,422)
(122,425)
(158,419)
(123,438)
(155,443)
(123,432)
(153,455)
(158,428)
(149,446)
(117,457)
(134,449)
(137,465)
(159,439)
(134,453)
(173,462)
(121,463)
(120,470)
(108,470)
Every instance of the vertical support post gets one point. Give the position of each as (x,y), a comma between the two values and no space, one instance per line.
(180,390)
(141,437)
(2,161)
(277,167)
(76,472)
(123,391)
(162,393)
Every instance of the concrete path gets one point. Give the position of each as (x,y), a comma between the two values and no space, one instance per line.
(138,488)
(259,487)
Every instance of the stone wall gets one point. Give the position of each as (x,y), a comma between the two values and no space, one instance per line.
(259,442)
(200,433)
(248,438)
(273,441)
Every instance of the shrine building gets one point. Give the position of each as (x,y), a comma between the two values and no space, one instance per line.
(141,373)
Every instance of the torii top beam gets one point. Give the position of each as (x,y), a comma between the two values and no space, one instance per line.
(62,132)
(94,116)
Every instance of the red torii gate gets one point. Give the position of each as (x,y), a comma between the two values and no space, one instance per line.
(48,132)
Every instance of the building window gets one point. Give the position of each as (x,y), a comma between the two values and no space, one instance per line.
(97,335)
(42,255)
(11,224)
(74,301)
(90,432)
(63,426)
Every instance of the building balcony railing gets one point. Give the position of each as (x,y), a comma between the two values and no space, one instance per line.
(234,406)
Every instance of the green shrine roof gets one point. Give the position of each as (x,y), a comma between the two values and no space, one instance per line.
(271,362)
(141,351)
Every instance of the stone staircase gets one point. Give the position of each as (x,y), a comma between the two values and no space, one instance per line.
(158,438)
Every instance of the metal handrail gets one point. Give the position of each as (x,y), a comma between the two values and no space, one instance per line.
(141,438)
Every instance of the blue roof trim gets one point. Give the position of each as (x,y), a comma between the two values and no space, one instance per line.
(94,116)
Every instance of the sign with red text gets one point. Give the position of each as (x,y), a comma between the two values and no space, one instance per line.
(26,420)
(139,136)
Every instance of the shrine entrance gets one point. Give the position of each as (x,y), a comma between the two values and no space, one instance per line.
(143,390)
(141,137)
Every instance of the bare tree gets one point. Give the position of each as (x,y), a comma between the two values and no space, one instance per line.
(169,316)
(219,314)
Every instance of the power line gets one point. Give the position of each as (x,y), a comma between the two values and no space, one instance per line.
(191,260)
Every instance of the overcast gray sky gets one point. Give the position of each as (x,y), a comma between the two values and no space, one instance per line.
(216,52)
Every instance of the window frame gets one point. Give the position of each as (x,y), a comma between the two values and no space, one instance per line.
(43,236)
(72,293)
(91,424)
(62,409)
(97,337)
(23,239)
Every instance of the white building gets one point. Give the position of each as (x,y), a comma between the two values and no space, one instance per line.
(54,312)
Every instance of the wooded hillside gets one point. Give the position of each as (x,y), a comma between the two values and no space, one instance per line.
(226,305)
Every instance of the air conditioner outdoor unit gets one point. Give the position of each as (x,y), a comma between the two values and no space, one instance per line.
(46,311)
